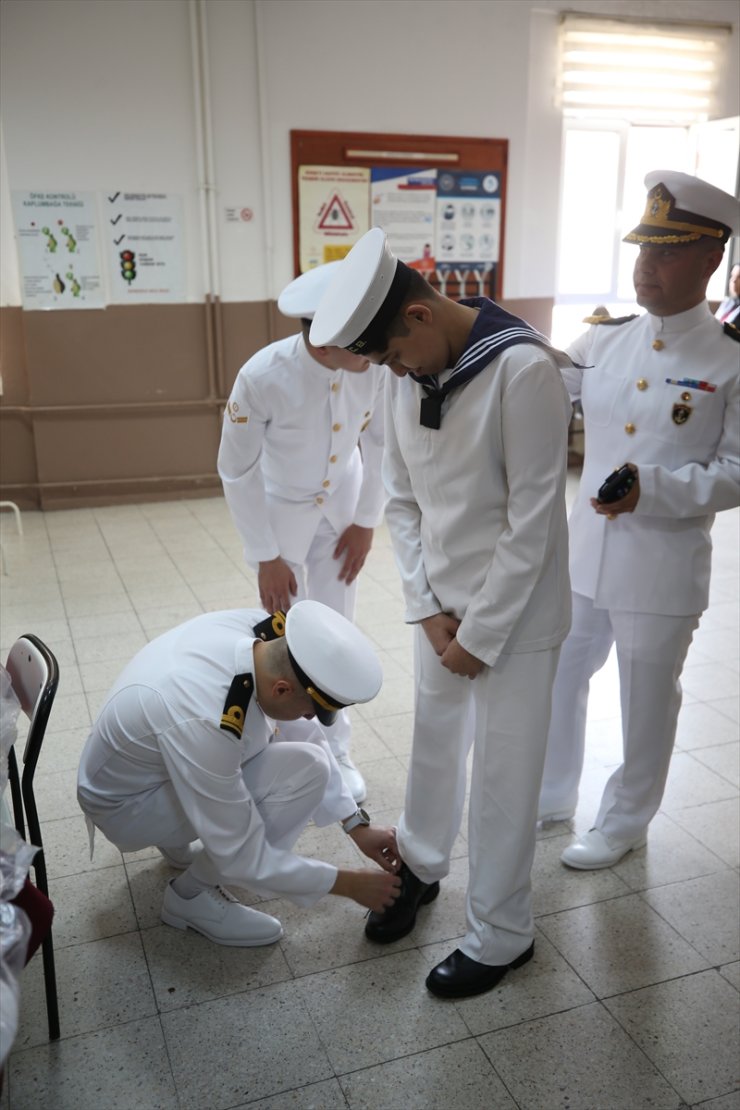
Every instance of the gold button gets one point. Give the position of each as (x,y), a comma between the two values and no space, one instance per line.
(629,429)
(326,484)
(334,386)
(319,500)
(641,384)
(332,458)
(658,344)
(685,396)
(336,427)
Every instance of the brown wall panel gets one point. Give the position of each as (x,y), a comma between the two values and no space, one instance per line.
(135,445)
(120,405)
(17,458)
(121,353)
(12,357)
(246,329)
(537,311)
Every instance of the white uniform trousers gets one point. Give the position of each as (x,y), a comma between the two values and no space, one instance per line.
(287,781)
(318,579)
(651,649)
(504,712)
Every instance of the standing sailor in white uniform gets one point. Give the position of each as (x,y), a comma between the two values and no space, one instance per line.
(476,444)
(660,392)
(300,458)
(186,747)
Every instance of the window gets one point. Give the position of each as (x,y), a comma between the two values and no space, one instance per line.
(635,97)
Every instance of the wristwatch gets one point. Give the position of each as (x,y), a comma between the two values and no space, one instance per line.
(359,817)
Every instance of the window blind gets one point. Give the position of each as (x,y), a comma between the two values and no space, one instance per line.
(658,73)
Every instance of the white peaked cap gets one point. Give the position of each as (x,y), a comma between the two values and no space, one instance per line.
(301,298)
(356,292)
(333,660)
(681,209)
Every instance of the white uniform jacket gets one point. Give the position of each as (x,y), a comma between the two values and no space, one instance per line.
(183,679)
(685,442)
(289,450)
(476,508)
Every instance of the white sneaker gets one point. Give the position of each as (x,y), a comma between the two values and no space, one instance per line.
(353,780)
(182,856)
(593,851)
(219,916)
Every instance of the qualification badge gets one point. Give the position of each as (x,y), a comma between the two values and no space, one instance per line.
(681,413)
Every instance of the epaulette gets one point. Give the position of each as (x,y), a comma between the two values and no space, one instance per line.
(237,701)
(609,319)
(271,628)
(732,330)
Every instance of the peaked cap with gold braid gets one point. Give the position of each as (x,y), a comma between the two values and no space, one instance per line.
(681,209)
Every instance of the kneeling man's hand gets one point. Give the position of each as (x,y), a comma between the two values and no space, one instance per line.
(376,890)
(378,845)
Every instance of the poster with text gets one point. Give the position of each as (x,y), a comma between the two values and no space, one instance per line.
(146,259)
(468,221)
(334,206)
(403,204)
(58,249)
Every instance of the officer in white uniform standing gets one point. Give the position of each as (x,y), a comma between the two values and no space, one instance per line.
(300,458)
(186,749)
(476,444)
(660,392)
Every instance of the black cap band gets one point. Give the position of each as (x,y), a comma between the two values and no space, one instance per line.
(373,337)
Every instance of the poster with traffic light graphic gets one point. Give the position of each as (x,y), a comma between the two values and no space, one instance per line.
(144,234)
(58,254)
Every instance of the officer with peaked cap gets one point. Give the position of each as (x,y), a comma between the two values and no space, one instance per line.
(300,455)
(660,392)
(186,756)
(476,444)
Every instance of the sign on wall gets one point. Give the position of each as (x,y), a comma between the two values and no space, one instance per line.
(58,249)
(403,204)
(144,241)
(334,208)
(468,220)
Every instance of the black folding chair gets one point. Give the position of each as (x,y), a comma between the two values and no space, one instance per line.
(34,673)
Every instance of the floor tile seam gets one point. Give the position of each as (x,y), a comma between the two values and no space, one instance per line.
(708,970)
(54,876)
(70,1037)
(676,930)
(529,1020)
(339,1076)
(672,818)
(688,879)
(643,1052)
(583,905)
(693,753)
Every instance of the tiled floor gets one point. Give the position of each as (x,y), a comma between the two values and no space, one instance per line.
(631,1000)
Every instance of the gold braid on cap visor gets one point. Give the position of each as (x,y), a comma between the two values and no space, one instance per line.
(321,700)
(657,214)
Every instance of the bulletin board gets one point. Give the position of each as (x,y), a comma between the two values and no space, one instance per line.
(441,200)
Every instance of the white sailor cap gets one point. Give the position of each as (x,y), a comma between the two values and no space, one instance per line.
(332,659)
(363,296)
(300,299)
(681,209)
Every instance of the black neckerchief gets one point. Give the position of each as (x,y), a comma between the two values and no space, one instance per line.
(494,330)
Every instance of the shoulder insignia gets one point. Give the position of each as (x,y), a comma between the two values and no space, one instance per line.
(732,330)
(271,628)
(609,319)
(237,701)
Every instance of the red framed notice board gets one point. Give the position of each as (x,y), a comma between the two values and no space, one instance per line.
(440,199)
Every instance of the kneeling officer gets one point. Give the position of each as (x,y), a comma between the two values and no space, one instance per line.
(186,748)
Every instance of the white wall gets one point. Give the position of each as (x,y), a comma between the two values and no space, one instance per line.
(99,93)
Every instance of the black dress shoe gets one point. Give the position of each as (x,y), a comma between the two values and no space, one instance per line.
(400,918)
(460,977)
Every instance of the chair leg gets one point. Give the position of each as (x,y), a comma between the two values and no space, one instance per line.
(50,985)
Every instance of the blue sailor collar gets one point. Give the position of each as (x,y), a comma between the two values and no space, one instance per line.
(493,331)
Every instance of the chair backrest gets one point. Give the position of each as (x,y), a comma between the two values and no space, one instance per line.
(34,673)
